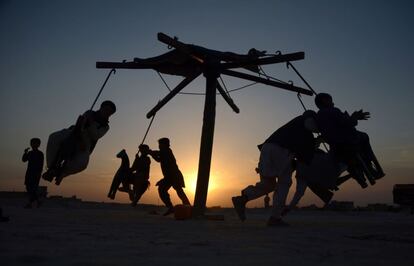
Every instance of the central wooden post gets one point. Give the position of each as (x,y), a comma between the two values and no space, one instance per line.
(206,146)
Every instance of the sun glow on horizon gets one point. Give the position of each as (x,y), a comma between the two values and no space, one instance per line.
(191,182)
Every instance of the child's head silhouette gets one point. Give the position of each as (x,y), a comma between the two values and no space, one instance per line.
(164,143)
(35,143)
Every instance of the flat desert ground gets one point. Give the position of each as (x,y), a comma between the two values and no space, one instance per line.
(76,233)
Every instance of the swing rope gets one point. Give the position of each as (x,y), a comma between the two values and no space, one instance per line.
(163,80)
(103,86)
(289,64)
(201,93)
(301,102)
(148,128)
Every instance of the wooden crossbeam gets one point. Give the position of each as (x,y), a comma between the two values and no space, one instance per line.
(273,83)
(182,47)
(265,61)
(126,65)
(170,95)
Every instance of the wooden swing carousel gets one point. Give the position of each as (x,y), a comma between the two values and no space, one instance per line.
(190,61)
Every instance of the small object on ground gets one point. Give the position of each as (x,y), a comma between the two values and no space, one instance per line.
(182,212)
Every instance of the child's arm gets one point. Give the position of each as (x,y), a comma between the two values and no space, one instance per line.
(96,133)
(25,156)
(155,155)
(301,186)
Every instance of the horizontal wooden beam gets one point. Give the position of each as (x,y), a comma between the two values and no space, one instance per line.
(273,83)
(126,65)
(170,95)
(265,61)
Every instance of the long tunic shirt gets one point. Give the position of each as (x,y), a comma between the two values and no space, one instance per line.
(35,161)
(169,167)
(296,138)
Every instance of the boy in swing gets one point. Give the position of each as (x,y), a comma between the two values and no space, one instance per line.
(68,150)
(172,175)
(339,130)
(140,170)
(137,175)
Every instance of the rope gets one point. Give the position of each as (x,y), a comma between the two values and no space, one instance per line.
(243,87)
(300,96)
(163,80)
(262,73)
(103,86)
(202,93)
(303,79)
(224,86)
(148,128)
(301,102)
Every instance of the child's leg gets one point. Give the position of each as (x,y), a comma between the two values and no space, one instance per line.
(181,194)
(77,164)
(139,190)
(32,193)
(54,143)
(114,187)
(279,197)
(163,188)
(261,188)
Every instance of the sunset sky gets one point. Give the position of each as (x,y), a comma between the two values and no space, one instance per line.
(361,52)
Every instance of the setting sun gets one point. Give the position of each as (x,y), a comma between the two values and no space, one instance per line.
(191,182)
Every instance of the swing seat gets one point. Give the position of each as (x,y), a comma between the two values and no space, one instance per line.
(182,212)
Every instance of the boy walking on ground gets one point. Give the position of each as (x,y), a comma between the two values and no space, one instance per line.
(172,175)
(35,161)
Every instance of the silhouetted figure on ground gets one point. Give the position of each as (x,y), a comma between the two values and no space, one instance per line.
(293,140)
(68,150)
(3,218)
(140,170)
(346,143)
(121,176)
(172,175)
(35,160)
